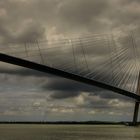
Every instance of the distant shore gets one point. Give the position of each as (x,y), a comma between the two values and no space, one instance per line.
(69,122)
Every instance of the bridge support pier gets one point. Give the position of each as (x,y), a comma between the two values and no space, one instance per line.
(136,111)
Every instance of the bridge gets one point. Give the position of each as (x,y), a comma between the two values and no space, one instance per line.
(103,60)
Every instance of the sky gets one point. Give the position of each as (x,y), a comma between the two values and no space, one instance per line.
(28,95)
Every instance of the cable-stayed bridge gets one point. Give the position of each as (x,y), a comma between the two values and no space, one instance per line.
(107,61)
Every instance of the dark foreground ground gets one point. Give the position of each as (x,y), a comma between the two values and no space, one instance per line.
(68,132)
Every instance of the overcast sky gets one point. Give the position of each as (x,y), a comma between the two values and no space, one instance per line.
(31,95)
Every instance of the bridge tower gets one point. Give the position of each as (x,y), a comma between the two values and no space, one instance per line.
(136,109)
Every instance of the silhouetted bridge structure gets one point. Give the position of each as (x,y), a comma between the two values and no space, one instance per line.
(107,61)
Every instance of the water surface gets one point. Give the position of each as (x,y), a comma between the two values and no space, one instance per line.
(68,132)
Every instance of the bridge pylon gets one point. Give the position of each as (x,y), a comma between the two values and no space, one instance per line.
(136,108)
(136,111)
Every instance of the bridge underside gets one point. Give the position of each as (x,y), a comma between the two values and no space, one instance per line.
(46,69)
(61,73)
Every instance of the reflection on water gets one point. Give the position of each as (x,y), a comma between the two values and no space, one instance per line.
(68,132)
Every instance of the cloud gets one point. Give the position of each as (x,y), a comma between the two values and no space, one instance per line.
(82,13)
(97,102)
(32,19)
(23,72)
(22,20)
(60,88)
(31,33)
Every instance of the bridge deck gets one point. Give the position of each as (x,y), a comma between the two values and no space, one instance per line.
(50,70)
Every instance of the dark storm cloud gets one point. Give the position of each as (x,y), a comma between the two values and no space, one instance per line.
(23,72)
(62,88)
(64,85)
